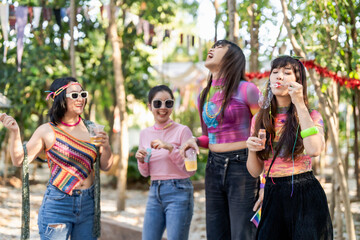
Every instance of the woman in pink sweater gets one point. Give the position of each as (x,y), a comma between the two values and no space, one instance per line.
(170,203)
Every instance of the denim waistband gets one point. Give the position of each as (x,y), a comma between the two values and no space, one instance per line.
(297,178)
(231,155)
(169,181)
(76,192)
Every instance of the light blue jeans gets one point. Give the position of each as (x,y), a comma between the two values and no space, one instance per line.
(62,216)
(170,205)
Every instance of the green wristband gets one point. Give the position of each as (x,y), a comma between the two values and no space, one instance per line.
(309,131)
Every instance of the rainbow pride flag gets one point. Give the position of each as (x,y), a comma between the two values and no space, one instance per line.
(256,218)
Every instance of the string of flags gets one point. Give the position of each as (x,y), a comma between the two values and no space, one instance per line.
(16,18)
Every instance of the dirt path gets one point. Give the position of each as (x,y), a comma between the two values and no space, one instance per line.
(10,209)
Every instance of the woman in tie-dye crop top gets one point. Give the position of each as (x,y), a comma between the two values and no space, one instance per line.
(294,204)
(226,107)
(67,210)
(234,126)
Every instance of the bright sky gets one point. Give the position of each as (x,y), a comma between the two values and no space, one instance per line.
(267,34)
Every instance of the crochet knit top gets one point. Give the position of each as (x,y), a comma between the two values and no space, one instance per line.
(70,160)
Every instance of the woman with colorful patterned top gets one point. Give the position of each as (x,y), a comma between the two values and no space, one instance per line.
(226,107)
(294,205)
(170,203)
(67,210)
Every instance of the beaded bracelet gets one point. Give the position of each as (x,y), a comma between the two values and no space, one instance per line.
(262,181)
(309,131)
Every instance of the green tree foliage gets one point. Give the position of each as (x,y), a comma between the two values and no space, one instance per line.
(332,44)
(45,58)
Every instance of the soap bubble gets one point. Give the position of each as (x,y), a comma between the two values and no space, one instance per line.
(265,96)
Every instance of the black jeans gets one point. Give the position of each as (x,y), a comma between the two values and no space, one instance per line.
(231,193)
(304,215)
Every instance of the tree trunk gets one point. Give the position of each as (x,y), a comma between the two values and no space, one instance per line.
(233,21)
(217,17)
(292,38)
(352,14)
(332,120)
(121,104)
(254,37)
(333,127)
(324,159)
(7,159)
(347,134)
(200,51)
(356,141)
(332,199)
(72,41)
(348,60)
(338,216)
(357,92)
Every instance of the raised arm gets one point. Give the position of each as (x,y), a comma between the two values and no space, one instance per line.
(315,142)
(34,146)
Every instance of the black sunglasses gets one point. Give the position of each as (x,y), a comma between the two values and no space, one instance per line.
(75,95)
(158,103)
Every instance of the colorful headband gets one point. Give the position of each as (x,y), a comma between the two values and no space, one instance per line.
(60,89)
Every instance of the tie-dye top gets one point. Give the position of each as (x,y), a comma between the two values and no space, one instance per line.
(235,125)
(284,167)
(70,160)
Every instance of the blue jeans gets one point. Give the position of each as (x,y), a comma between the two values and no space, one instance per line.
(231,193)
(62,216)
(170,205)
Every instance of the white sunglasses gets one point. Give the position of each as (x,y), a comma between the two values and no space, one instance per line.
(76,95)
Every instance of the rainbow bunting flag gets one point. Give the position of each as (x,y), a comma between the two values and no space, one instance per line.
(256,218)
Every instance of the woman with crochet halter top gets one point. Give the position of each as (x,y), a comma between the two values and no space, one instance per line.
(294,204)
(67,210)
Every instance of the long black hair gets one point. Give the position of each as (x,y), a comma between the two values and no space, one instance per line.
(58,109)
(232,70)
(290,129)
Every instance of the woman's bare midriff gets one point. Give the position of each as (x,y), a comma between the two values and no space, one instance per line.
(87,183)
(227,147)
